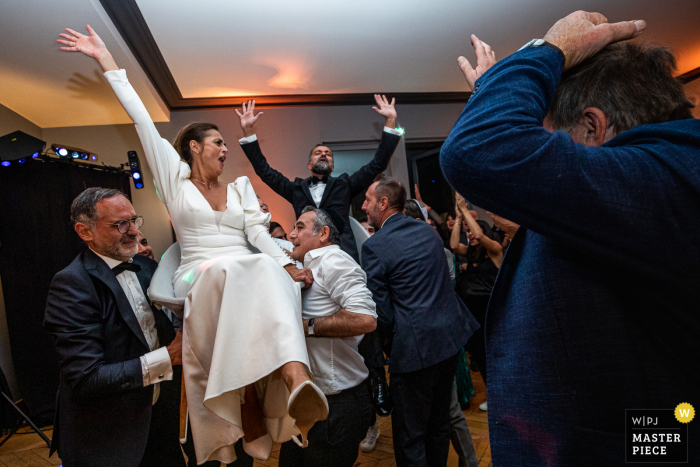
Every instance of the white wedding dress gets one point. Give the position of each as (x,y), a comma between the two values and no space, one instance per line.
(242,311)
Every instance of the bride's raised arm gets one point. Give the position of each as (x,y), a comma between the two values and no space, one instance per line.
(168,169)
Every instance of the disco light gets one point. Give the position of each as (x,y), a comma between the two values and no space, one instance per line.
(72,152)
(135,166)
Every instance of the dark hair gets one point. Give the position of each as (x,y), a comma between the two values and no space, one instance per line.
(194,131)
(478,254)
(84,206)
(324,220)
(273,226)
(311,153)
(632,84)
(393,190)
(413,210)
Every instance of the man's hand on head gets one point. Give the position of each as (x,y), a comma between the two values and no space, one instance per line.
(485,59)
(581,35)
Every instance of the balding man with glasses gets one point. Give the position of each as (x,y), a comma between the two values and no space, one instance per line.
(110,344)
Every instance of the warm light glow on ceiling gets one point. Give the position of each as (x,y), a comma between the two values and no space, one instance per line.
(291,72)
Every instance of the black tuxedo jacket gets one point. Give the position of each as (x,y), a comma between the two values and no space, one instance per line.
(103,411)
(339,191)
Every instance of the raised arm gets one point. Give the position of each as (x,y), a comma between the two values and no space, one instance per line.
(455,245)
(550,183)
(493,247)
(249,143)
(168,170)
(363,178)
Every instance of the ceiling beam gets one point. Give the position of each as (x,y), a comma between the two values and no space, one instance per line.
(689,76)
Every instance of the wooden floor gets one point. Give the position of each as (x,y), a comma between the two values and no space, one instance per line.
(29,450)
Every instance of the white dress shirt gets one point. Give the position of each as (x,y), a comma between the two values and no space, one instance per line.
(155,365)
(316,189)
(339,282)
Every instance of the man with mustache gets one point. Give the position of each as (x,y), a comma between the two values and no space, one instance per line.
(110,344)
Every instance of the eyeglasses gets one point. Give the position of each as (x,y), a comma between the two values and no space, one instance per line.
(123,226)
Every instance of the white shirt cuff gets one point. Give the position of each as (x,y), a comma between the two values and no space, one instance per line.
(248,139)
(156,367)
(393,131)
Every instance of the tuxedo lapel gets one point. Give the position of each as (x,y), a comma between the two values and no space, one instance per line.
(98,269)
(327,191)
(307,192)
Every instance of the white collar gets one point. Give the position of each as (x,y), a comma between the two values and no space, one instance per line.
(111,262)
(388,218)
(317,252)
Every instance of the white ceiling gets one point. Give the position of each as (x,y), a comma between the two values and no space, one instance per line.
(217,48)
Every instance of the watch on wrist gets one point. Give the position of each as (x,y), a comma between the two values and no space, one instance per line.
(310,327)
(541,43)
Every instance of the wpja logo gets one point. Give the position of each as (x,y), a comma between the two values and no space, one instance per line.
(657,435)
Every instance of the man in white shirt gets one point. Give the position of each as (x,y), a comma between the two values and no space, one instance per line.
(337,311)
(109,341)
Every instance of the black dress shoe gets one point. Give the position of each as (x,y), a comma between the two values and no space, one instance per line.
(383,404)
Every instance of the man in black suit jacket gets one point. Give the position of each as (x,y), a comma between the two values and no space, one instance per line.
(409,279)
(109,342)
(320,189)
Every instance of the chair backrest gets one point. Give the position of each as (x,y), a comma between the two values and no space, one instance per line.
(161,290)
(360,235)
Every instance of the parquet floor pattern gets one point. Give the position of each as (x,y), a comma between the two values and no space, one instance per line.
(29,450)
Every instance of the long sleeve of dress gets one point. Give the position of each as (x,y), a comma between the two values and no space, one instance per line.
(168,170)
(256,222)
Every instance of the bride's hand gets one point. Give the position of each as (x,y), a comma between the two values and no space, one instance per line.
(91,45)
(300,275)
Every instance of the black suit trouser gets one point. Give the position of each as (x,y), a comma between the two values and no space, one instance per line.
(163,446)
(336,440)
(421,417)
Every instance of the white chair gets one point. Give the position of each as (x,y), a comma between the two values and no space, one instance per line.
(361,235)
(161,290)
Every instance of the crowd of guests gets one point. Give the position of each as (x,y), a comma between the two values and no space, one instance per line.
(285,336)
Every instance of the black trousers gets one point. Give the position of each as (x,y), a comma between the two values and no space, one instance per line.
(478,304)
(370,347)
(163,446)
(336,440)
(421,417)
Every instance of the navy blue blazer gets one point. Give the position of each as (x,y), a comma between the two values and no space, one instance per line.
(408,276)
(597,305)
(339,190)
(103,412)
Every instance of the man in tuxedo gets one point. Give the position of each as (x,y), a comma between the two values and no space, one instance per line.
(111,343)
(332,194)
(599,287)
(320,189)
(428,324)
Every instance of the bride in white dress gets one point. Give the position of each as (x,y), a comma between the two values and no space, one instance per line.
(243,338)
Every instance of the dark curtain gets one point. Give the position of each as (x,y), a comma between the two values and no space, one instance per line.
(37,241)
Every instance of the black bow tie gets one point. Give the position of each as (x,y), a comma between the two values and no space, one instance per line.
(120,268)
(314,180)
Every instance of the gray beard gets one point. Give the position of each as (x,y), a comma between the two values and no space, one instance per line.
(322,168)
